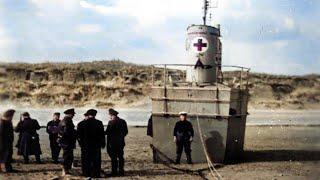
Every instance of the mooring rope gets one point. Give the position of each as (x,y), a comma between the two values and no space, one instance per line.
(211,167)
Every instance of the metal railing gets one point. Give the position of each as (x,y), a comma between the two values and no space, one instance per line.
(163,74)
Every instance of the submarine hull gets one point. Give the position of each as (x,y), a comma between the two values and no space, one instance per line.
(209,112)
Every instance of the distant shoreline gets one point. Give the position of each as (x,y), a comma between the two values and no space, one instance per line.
(138,116)
(139,105)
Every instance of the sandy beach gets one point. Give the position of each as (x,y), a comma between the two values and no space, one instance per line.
(271,152)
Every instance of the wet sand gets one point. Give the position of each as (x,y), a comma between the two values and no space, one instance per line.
(271,152)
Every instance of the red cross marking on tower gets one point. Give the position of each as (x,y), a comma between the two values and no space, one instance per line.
(200,45)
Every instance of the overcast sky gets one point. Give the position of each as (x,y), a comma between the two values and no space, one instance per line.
(276,36)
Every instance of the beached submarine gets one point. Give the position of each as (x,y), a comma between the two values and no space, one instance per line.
(217,110)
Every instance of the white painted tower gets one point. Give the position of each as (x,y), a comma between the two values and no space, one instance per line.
(204,51)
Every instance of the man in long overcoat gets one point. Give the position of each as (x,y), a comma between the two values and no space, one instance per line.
(6,140)
(91,139)
(29,144)
(116,132)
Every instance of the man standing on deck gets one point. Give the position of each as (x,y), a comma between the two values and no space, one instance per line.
(116,132)
(183,136)
(67,140)
(91,139)
(52,130)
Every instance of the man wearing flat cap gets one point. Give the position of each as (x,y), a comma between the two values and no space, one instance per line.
(116,132)
(67,138)
(183,136)
(91,139)
(6,140)
(52,130)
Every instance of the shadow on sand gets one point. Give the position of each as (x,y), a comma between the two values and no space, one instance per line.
(280,155)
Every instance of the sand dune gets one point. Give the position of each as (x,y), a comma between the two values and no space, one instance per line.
(110,83)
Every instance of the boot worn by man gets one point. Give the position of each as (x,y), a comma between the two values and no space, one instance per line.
(26,159)
(38,159)
(121,166)
(189,160)
(9,169)
(178,159)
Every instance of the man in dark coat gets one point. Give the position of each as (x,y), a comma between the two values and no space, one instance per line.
(183,136)
(116,132)
(67,138)
(91,139)
(30,143)
(52,130)
(6,140)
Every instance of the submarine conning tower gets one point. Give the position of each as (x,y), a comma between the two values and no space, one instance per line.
(204,51)
(216,100)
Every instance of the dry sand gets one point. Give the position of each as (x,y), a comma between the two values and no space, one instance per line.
(277,152)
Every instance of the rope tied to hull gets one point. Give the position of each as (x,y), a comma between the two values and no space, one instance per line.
(213,171)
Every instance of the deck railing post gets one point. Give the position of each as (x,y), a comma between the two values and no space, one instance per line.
(152,75)
(241,77)
(165,90)
(248,78)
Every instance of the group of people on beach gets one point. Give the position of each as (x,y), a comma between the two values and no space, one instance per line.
(63,134)
(90,135)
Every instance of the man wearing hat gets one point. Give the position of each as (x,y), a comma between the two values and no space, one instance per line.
(67,138)
(116,132)
(91,139)
(52,130)
(6,140)
(183,136)
(30,142)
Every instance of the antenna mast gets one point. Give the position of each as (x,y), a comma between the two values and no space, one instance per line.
(205,11)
